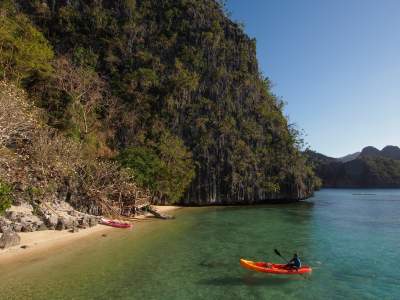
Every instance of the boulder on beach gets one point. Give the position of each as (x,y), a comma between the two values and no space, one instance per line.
(51,221)
(84,222)
(41,227)
(63,223)
(28,226)
(9,239)
(17,227)
(74,229)
(93,221)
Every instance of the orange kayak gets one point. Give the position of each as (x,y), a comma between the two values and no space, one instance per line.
(267,267)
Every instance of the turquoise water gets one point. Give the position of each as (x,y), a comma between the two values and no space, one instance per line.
(351,241)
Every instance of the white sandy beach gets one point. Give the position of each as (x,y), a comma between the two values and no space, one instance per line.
(46,240)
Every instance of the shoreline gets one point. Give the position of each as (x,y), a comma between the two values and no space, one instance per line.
(49,240)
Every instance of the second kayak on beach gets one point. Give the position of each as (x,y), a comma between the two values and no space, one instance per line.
(116,224)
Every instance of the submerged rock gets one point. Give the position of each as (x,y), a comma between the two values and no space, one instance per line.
(159,215)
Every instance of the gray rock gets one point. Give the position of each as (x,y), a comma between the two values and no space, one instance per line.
(9,239)
(64,223)
(70,223)
(5,228)
(17,227)
(4,225)
(75,222)
(42,227)
(51,221)
(74,229)
(93,221)
(61,224)
(84,222)
(159,215)
(30,219)
(12,215)
(28,227)
(72,213)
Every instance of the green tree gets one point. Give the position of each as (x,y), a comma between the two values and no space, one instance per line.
(145,165)
(24,52)
(166,168)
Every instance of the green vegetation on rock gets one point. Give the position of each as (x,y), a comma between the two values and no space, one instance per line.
(24,52)
(171,85)
(5,197)
(166,170)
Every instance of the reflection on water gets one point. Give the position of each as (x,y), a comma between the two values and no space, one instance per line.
(249,280)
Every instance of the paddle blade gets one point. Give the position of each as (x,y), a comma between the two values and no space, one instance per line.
(277,252)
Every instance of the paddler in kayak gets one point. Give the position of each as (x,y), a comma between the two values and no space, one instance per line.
(294,263)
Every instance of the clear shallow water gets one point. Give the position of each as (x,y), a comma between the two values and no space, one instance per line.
(352,242)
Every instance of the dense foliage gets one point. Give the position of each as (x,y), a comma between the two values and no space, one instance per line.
(166,171)
(24,52)
(5,197)
(177,83)
(43,165)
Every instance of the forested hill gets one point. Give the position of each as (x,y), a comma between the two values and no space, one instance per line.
(171,90)
(370,168)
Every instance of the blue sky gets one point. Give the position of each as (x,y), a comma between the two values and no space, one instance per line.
(335,62)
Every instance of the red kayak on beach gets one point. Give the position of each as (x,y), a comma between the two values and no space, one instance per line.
(116,224)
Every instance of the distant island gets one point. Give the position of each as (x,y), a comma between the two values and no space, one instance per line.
(369,168)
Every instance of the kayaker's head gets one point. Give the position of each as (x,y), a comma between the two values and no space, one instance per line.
(295,255)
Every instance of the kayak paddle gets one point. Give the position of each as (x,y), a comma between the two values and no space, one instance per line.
(279,254)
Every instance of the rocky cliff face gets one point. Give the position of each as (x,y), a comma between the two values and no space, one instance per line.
(183,69)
